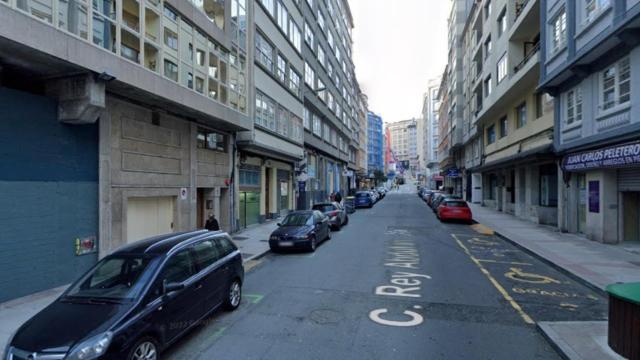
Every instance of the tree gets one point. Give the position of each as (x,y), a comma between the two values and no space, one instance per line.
(379,176)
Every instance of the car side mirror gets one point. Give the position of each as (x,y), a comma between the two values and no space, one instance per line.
(171,287)
(279,224)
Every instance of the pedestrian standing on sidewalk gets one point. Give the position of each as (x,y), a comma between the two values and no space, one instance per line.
(212,223)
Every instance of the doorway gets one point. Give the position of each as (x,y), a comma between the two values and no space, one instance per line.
(582,203)
(631,217)
(149,216)
(200,209)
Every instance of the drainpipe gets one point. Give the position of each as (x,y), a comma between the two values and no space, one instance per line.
(232,186)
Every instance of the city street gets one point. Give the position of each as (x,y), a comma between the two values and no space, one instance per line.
(396,284)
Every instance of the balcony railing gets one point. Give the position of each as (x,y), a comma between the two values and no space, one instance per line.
(528,55)
(520,6)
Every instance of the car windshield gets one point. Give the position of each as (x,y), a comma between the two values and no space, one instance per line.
(115,277)
(456,204)
(324,207)
(296,220)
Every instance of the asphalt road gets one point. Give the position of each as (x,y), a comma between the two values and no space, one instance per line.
(396,284)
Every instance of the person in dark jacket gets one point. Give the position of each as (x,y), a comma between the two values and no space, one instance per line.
(212,223)
(338,197)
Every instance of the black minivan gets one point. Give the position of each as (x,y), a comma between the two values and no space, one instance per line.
(137,301)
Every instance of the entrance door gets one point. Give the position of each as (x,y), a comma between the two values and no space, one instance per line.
(200,209)
(631,203)
(582,203)
(149,216)
(267,188)
(249,208)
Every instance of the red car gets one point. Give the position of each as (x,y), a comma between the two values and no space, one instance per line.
(454,210)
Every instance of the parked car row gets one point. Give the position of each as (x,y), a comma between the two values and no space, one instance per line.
(368,198)
(446,206)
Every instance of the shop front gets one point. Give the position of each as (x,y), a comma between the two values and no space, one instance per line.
(601,196)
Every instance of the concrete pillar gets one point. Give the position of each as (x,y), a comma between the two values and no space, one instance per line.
(263,193)
(563,197)
(215,194)
(609,206)
(273,193)
(104,185)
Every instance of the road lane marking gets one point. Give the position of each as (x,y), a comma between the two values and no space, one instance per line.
(505,262)
(495,283)
(519,275)
(482,229)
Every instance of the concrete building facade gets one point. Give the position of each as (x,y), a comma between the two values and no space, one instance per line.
(156,88)
(590,62)
(330,99)
(404,143)
(452,155)
(430,138)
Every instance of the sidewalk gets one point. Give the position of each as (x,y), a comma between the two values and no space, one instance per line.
(595,264)
(253,243)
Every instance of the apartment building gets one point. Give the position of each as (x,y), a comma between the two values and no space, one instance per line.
(270,152)
(363,123)
(403,142)
(452,154)
(119,117)
(507,116)
(329,93)
(430,138)
(375,143)
(590,62)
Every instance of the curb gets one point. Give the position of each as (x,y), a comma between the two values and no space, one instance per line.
(563,270)
(256,256)
(563,350)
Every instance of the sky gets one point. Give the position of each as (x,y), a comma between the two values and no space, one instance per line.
(398,46)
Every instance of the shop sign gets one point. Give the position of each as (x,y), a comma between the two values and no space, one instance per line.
(594,196)
(613,156)
(454,173)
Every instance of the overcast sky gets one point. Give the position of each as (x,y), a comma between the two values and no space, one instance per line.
(398,46)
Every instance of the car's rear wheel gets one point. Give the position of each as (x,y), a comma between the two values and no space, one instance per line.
(337,226)
(144,349)
(234,295)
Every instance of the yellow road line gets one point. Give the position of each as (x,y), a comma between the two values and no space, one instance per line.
(495,283)
(504,262)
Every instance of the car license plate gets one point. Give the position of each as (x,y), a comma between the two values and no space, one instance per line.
(286,243)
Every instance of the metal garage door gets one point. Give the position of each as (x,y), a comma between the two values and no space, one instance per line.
(629,180)
(149,216)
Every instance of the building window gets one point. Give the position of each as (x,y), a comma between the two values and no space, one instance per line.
(294,81)
(320,55)
(268,4)
(250,175)
(488,88)
(491,134)
(504,125)
(211,140)
(309,75)
(521,115)
(294,35)
(170,39)
(502,22)
(317,126)
(320,20)
(170,70)
(264,52)
(282,69)
(593,7)
(306,118)
(574,106)
(265,112)
(308,35)
(544,104)
(170,14)
(487,47)
(616,84)
(502,68)
(487,10)
(283,17)
(559,31)
(326,132)
(549,185)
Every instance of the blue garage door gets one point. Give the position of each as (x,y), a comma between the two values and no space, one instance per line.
(48,194)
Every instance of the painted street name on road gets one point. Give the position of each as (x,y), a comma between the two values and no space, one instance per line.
(402,254)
